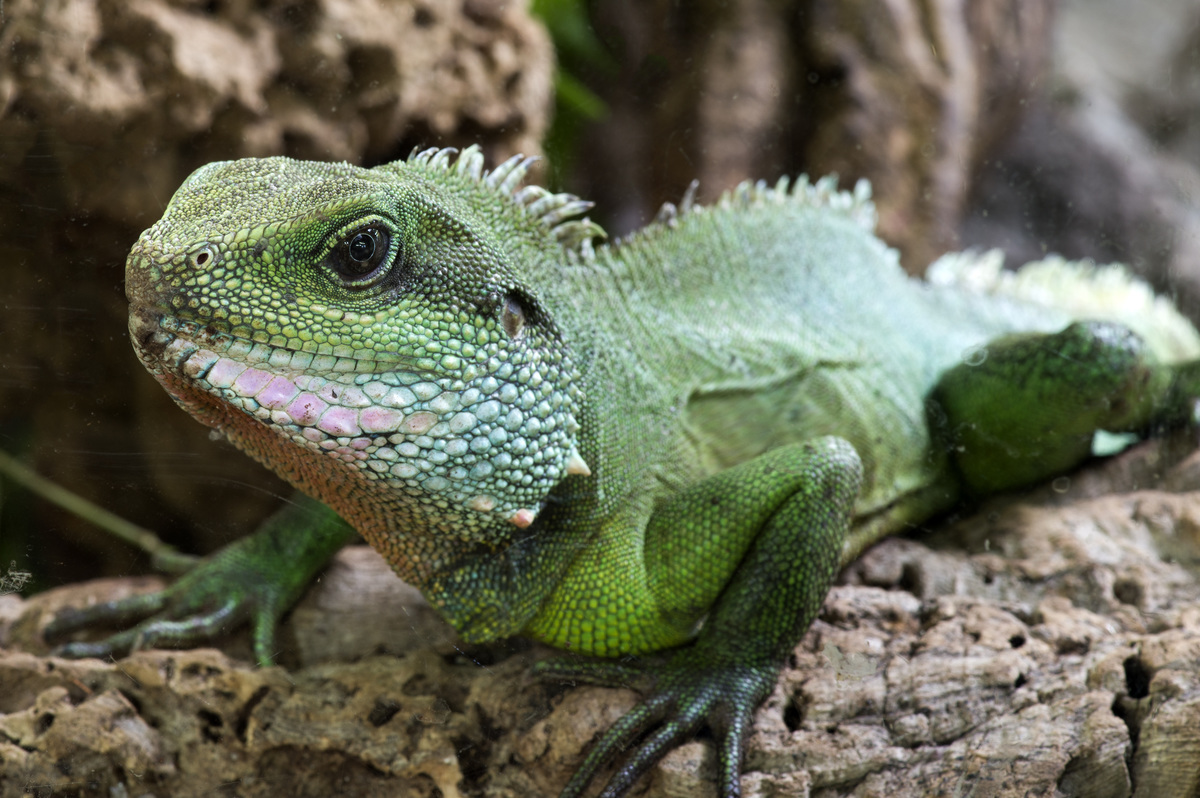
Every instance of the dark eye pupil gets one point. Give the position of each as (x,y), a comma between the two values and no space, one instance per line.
(360,258)
(362,247)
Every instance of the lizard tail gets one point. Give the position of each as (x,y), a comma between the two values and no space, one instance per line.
(1083,289)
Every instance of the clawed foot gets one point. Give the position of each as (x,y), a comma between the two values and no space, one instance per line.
(233,588)
(256,580)
(691,690)
(171,629)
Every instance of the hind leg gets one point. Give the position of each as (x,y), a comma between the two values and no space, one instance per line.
(1029,408)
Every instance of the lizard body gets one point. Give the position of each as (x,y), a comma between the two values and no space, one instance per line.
(615,449)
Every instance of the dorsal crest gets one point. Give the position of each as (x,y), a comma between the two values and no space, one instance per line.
(824,193)
(559,214)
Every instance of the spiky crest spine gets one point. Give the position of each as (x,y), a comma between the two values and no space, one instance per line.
(557,213)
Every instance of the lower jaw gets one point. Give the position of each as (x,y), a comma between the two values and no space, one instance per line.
(269,403)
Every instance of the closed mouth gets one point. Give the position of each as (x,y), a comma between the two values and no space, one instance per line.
(488,447)
(172,343)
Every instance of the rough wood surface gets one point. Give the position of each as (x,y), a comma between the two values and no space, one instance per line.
(1106,162)
(167,85)
(1044,645)
(911,95)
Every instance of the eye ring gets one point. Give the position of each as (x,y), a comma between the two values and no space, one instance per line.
(360,258)
(202,257)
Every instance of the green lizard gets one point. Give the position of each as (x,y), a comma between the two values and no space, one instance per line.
(668,444)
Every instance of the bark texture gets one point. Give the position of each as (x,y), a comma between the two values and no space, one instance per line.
(910,95)
(129,97)
(1106,163)
(1043,646)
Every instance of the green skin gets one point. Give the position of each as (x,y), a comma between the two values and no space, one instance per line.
(667,445)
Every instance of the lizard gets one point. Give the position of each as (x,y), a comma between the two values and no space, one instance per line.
(657,452)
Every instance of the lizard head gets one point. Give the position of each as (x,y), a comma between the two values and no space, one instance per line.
(370,332)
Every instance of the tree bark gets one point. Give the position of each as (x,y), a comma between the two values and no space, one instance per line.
(1047,645)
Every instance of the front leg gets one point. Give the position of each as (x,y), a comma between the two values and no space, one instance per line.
(758,545)
(256,579)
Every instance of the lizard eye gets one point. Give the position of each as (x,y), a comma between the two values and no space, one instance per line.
(362,247)
(360,257)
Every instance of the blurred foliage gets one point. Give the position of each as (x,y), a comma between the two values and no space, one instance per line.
(580,53)
(19,539)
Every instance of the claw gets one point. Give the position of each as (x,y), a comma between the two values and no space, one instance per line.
(618,738)
(121,612)
(731,741)
(697,685)
(598,674)
(80,650)
(652,749)
(254,579)
(159,630)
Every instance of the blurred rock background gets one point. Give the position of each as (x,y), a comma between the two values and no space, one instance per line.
(105,107)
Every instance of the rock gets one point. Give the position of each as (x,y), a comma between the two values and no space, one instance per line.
(1046,645)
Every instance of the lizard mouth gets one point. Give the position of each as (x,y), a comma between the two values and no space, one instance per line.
(316,396)
(167,338)
(490,447)
(162,341)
